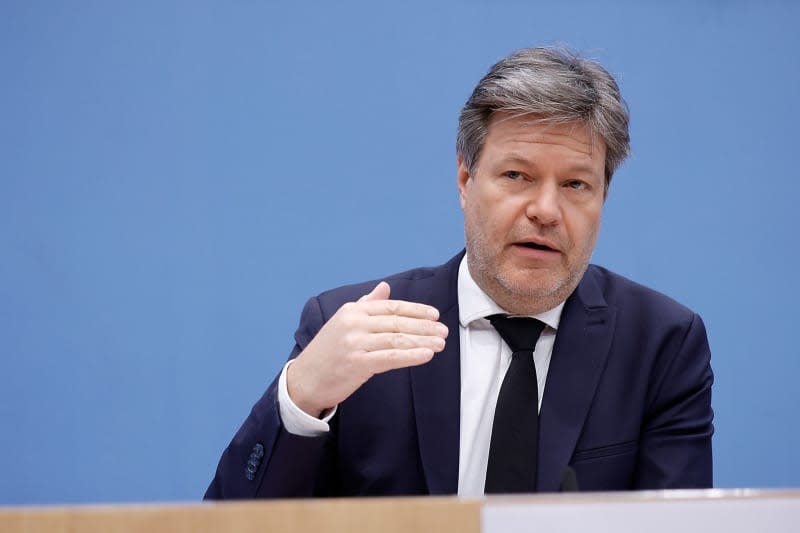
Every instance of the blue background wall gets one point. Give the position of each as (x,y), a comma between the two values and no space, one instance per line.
(176,178)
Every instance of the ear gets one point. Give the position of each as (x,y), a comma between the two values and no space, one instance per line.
(462,179)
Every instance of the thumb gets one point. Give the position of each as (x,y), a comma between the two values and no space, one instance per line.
(380,292)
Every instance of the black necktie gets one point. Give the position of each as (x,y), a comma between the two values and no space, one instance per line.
(515,433)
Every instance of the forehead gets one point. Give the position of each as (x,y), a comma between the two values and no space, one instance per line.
(525,134)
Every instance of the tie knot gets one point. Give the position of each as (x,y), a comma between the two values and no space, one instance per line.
(519,332)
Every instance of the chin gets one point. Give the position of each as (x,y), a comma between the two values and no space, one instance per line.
(531,293)
(524,297)
(531,284)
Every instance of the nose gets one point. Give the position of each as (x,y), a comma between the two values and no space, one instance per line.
(544,205)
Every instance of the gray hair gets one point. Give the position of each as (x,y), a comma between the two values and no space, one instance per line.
(554,86)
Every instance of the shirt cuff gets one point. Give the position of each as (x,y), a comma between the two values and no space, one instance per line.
(295,420)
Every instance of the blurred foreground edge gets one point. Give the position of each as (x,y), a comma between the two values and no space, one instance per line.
(737,510)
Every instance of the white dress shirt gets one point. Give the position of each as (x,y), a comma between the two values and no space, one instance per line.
(485,358)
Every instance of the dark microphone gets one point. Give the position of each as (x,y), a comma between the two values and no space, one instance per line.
(569,483)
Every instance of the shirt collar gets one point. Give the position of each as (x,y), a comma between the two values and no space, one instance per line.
(474,304)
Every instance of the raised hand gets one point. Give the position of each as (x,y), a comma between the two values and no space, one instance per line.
(363,338)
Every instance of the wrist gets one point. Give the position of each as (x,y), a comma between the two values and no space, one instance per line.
(297,392)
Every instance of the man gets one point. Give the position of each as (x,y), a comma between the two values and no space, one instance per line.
(413,385)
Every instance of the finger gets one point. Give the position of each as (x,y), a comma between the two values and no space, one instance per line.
(400,341)
(385,360)
(380,292)
(402,324)
(400,308)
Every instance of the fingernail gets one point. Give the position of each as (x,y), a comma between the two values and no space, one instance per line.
(442,329)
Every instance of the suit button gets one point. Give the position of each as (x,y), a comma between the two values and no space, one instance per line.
(258,450)
(254,461)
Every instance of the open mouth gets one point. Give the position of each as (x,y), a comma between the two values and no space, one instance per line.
(536,246)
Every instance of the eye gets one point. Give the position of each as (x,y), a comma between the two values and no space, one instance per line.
(512,174)
(578,185)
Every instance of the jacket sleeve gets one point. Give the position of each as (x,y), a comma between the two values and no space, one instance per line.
(675,446)
(264,460)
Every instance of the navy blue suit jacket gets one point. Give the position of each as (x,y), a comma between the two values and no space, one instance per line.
(627,404)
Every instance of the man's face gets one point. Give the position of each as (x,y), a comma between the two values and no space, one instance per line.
(532,211)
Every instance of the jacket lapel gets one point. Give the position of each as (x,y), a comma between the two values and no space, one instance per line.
(582,343)
(436,388)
